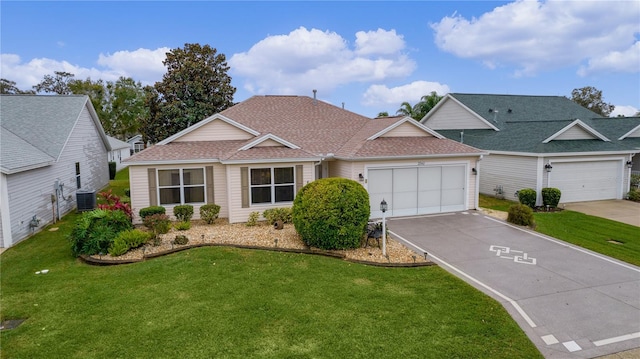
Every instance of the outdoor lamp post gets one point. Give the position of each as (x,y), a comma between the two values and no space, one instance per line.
(383,208)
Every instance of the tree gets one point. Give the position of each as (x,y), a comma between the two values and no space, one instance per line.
(8,87)
(96,91)
(125,108)
(56,84)
(420,109)
(195,86)
(383,114)
(591,98)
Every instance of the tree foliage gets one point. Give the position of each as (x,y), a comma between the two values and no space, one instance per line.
(195,86)
(8,87)
(56,84)
(420,109)
(125,108)
(591,98)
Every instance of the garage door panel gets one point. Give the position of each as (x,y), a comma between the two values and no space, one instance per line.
(405,183)
(586,181)
(380,187)
(453,184)
(429,186)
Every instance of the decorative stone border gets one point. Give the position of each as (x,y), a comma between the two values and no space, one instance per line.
(104,262)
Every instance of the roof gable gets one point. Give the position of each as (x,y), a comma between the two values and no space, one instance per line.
(634,133)
(268,140)
(451,114)
(576,130)
(214,128)
(406,127)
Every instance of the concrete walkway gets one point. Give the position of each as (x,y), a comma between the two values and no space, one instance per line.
(617,210)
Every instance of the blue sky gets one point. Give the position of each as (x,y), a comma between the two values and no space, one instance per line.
(369,55)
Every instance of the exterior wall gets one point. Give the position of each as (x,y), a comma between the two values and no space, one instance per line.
(341,169)
(139,187)
(452,116)
(118,155)
(575,133)
(29,192)
(513,173)
(406,130)
(239,214)
(216,130)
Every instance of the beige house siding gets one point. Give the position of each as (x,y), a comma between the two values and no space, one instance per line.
(453,116)
(340,169)
(512,173)
(406,130)
(239,214)
(575,133)
(216,130)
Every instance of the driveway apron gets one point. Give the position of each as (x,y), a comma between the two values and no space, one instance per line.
(571,302)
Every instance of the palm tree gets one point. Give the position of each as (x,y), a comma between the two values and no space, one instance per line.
(419,110)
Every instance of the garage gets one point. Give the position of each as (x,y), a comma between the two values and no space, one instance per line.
(586,181)
(417,190)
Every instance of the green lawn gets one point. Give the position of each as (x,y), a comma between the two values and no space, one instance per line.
(216,302)
(589,232)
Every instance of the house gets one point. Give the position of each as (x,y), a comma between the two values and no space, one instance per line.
(50,147)
(136,143)
(541,141)
(257,155)
(120,151)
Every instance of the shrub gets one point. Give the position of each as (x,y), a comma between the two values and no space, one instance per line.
(181,239)
(273,215)
(183,212)
(118,247)
(331,213)
(520,214)
(635,181)
(158,223)
(134,238)
(527,196)
(150,211)
(634,195)
(253,219)
(551,197)
(113,203)
(112,170)
(209,212)
(127,192)
(182,226)
(95,231)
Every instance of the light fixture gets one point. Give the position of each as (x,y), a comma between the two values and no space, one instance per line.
(629,164)
(360,177)
(383,206)
(474,171)
(548,167)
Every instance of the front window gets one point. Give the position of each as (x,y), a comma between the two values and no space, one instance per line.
(78,183)
(138,146)
(272,185)
(180,186)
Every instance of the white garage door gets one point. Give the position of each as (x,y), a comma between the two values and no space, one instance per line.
(417,190)
(586,181)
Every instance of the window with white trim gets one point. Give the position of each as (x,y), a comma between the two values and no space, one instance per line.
(272,185)
(181,186)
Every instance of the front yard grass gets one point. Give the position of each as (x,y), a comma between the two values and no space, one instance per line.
(614,239)
(224,302)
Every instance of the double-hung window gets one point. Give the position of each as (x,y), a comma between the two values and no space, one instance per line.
(180,186)
(272,185)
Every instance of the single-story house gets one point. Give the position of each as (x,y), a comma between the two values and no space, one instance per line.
(136,144)
(258,153)
(120,151)
(541,141)
(51,147)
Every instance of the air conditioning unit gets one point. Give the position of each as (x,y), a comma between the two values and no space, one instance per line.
(86,200)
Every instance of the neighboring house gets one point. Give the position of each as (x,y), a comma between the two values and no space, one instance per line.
(120,151)
(136,144)
(257,155)
(50,146)
(541,141)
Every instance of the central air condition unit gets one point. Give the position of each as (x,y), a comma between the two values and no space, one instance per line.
(86,200)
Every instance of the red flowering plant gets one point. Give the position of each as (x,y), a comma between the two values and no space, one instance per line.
(113,203)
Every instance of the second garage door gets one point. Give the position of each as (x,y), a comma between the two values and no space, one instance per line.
(417,190)
(586,181)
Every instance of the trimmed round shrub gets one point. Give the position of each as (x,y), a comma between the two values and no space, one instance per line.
(521,215)
(183,212)
(527,196)
(150,211)
(272,215)
(158,223)
(209,212)
(331,213)
(551,197)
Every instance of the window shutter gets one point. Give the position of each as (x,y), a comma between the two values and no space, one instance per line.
(153,188)
(210,194)
(299,181)
(244,186)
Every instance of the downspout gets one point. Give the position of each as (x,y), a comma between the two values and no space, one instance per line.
(477,204)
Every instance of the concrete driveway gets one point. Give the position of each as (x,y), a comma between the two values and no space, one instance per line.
(618,210)
(571,302)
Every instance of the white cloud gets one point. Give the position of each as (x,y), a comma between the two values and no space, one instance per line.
(541,35)
(313,59)
(622,61)
(380,95)
(142,65)
(627,111)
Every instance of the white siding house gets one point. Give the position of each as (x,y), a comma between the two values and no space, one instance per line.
(120,151)
(52,146)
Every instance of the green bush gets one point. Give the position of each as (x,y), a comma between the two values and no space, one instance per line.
(634,195)
(95,231)
(209,212)
(635,181)
(527,196)
(127,192)
(112,170)
(158,223)
(253,219)
(134,238)
(182,226)
(183,212)
(118,247)
(331,213)
(150,211)
(521,215)
(273,215)
(551,197)
(181,239)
